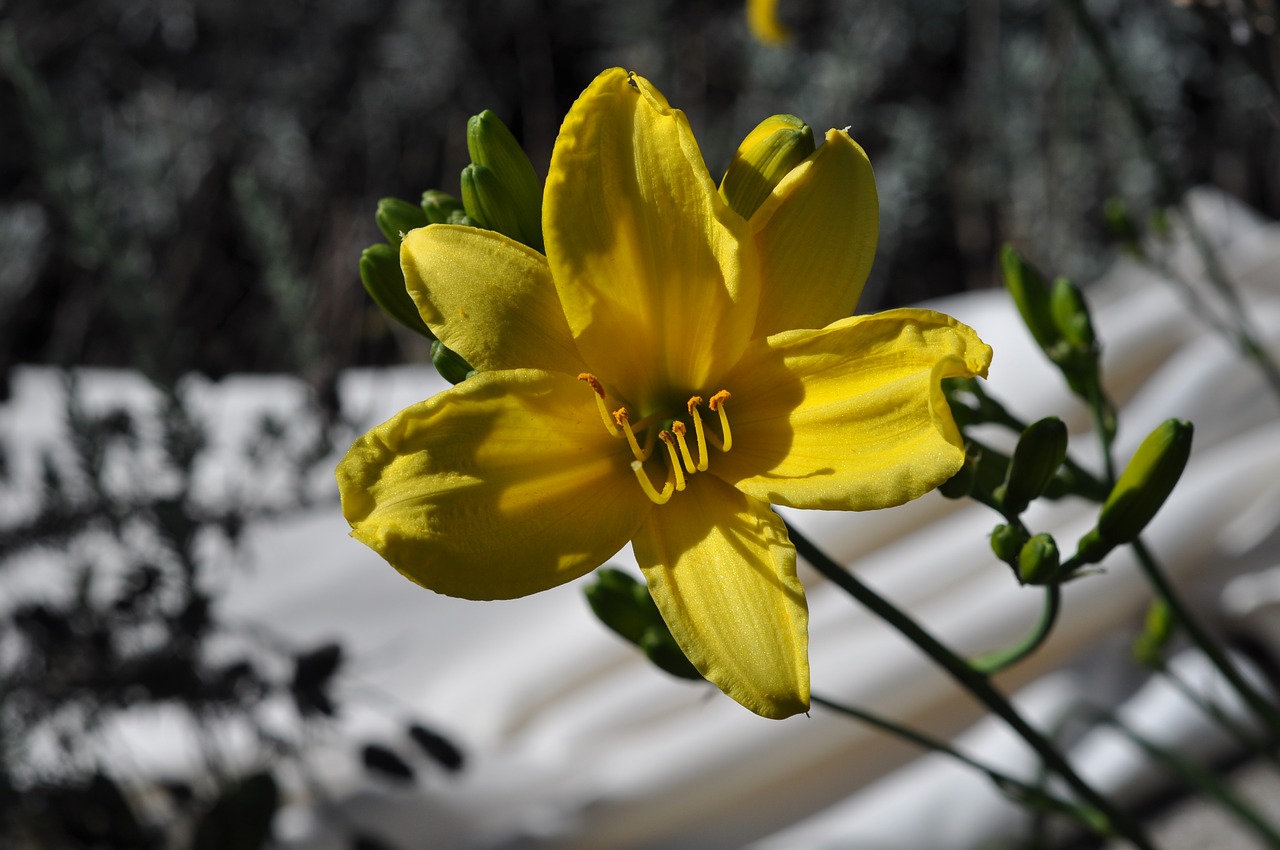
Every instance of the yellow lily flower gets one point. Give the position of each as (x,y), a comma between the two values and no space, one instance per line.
(666,371)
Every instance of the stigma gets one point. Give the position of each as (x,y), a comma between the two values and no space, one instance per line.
(682,454)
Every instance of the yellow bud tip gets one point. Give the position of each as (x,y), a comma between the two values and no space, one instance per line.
(593,382)
(621,416)
(717,400)
(693,405)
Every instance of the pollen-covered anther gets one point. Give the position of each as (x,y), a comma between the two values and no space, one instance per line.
(594,383)
(680,429)
(623,418)
(669,440)
(717,404)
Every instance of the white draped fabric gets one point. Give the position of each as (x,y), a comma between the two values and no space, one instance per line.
(574,741)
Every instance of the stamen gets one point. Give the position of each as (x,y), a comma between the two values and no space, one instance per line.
(717,404)
(699,432)
(595,384)
(645,484)
(680,430)
(669,439)
(621,416)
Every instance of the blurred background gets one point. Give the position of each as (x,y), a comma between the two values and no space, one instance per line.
(185,190)
(188,185)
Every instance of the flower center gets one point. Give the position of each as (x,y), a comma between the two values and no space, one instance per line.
(671,429)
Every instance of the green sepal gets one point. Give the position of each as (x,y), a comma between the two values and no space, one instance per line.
(437,206)
(396,218)
(768,153)
(1038,560)
(492,146)
(384,281)
(449,363)
(1141,490)
(624,605)
(1040,452)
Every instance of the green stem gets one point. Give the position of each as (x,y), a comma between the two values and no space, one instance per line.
(1264,710)
(1117,822)
(1247,741)
(1023,792)
(993,662)
(1202,779)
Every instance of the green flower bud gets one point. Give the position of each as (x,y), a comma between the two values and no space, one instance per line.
(438,206)
(488,202)
(614,599)
(1071,315)
(1143,487)
(1007,542)
(625,606)
(380,273)
(661,648)
(1038,560)
(768,153)
(1120,223)
(449,364)
(491,145)
(1031,297)
(459,216)
(396,218)
(1040,451)
(1157,630)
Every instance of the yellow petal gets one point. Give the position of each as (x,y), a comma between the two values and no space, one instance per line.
(817,237)
(656,274)
(850,417)
(488,298)
(762,19)
(500,487)
(723,574)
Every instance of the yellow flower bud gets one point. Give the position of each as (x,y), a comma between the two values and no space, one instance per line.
(777,145)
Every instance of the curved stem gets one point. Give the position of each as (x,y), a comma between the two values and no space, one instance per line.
(993,662)
(1116,821)
(1023,792)
(1261,707)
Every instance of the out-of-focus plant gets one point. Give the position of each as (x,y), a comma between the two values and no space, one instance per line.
(125,623)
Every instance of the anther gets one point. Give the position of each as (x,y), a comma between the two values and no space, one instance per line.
(645,484)
(670,441)
(595,384)
(680,430)
(622,417)
(717,404)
